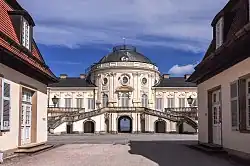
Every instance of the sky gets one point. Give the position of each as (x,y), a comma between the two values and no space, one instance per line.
(73,34)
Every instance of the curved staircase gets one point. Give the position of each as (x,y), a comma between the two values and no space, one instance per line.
(187,115)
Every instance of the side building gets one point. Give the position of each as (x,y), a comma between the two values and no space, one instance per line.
(24,77)
(123,89)
(223,79)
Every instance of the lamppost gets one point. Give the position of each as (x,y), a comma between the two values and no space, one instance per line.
(55,100)
(190,101)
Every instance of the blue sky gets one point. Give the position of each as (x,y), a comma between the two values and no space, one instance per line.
(73,34)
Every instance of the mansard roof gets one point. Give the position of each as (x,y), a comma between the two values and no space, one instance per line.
(11,47)
(236,42)
(72,82)
(175,82)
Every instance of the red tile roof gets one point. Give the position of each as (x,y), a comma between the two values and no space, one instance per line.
(7,28)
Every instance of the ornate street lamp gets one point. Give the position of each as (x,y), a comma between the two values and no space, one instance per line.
(55,100)
(190,101)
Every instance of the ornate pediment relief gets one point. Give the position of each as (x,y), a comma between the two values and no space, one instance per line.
(171,94)
(182,94)
(124,88)
(79,94)
(68,94)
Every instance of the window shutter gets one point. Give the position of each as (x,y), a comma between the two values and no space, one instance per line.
(1,98)
(242,104)
(6,107)
(234,105)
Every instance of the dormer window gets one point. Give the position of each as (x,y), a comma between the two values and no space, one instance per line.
(219,32)
(26,34)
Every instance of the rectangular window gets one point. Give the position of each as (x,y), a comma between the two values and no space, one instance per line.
(5,106)
(182,102)
(170,102)
(26,34)
(195,102)
(248,103)
(219,32)
(91,103)
(27,96)
(79,103)
(159,103)
(68,102)
(234,105)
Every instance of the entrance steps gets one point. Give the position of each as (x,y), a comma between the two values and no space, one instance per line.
(208,147)
(33,148)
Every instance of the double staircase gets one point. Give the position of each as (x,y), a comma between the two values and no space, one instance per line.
(188,114)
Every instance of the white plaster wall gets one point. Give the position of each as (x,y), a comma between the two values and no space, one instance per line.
(61,128)
(176,93)
(188,128)
(78,126)
(9,140)
(72,93)
(231,139)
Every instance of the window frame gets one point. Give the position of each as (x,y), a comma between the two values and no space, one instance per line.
(91,103)
(2,128)
(219,36)
(159,103)
(247,104)
(172,99)
(65,102)
(81,102)
(144,100)
(237,111)
(184,99)
(26,34)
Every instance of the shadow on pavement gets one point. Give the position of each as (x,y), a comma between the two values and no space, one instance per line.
(174,153)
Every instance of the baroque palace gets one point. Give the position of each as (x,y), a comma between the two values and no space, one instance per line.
(123,92)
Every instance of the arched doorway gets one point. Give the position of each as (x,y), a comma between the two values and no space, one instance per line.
(89,127)
(124,124)
(160,126)
(143,125)
(180,128)
(107,125)
(69,128)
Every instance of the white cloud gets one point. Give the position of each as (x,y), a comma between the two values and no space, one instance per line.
(178,24)
(182,70)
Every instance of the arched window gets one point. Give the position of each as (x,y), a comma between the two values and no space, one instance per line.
(144,100)
(125,100)
(105,99)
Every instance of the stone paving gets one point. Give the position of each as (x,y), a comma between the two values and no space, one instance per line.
(122,150)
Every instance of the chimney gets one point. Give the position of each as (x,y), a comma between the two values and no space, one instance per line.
(82,76)
(63,76)
(186,76)
(166,76)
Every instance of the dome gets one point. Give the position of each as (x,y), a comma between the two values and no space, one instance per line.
(125,53)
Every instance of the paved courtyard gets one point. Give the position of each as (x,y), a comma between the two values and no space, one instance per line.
(122,150)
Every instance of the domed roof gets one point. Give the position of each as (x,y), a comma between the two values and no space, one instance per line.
(125,53)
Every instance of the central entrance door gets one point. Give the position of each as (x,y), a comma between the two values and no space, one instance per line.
(26,118)
(216,118)
(124,124)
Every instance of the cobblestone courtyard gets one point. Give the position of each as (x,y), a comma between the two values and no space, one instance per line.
(122,150)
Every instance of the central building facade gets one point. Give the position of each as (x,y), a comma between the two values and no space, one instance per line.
(116,91)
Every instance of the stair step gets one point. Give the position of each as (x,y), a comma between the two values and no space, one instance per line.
(211,146)
(34,149)
(207,149)
(31,145)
